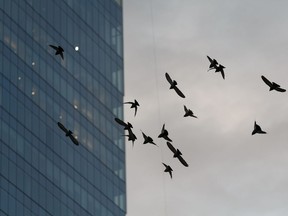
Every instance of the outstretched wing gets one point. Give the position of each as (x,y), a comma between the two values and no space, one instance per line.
(223,74)
(61,54)
(74,140)
(171,147)
(128,102)
(210,60)
(168,78)
(62,127)
(144,136)
(54,47)
(182,161)
(179,92)
(185,109)
(266,81)
(120,122)
(280,89)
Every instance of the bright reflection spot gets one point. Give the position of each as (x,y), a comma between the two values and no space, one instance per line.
(33,63)
(60,116)
(75,106)
(76,48)
(33,92)
(19,78)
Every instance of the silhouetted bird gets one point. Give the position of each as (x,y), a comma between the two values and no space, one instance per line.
(127,125)
(131,136)
(273,85)
(59,50)
(213,63)
(147,139)
(188,112)
(220,68)
(257,129)
(164,134)
(134,104)
(177,154)
(68,133)
(173,84)
(168,169)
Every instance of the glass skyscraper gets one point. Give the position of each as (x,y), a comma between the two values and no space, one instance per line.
(41,171)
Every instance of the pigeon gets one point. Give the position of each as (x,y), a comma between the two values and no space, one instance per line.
(59,50)
(273,85)
(257,129)
(127,125)
(188,112)
(147,139)
(168,169)
(68,133)
(220,69)
(177,154)
(213,63)
(164,134)
(173,84)
(134,104)
(131,136)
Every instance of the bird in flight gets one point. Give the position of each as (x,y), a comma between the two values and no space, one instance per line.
(220,68)
(68,133)
(188,112)
(59,50)
(134,104)
(147,139)
(168,169)
(213,63)
(173,84)
(177,154)
(257,129)
(127,125)
(273,85)
(131,136)
(164,134)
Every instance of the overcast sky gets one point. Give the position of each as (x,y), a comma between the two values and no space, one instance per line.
(230,171)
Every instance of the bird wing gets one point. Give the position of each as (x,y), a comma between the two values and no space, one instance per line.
(280,89)
(144,136)
(209,59)
(179,92)
(74,140)
(223,74)
(171,147)
(54,47)
(135,110)
(62,127)
(165,165)
(182,161)
(185,109)
(266,81)
(61,54)
(120,122)
(128,102)
(168,78)
(170,172)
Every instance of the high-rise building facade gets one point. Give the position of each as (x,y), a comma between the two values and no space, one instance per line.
(42,172)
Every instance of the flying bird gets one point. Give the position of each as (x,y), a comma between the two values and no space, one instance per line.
(213,63)
(131,136)
(134,104)
(59,50)
(164,134)
(273,85)
(127,125)
(68,133)
(147,139)
(188,112)
(177,154)
(168,169)
(173,84)
(257,129)
(220,68)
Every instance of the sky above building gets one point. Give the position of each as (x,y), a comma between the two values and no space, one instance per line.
(230,171)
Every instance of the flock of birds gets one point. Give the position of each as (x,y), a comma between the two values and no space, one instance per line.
(214,65)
